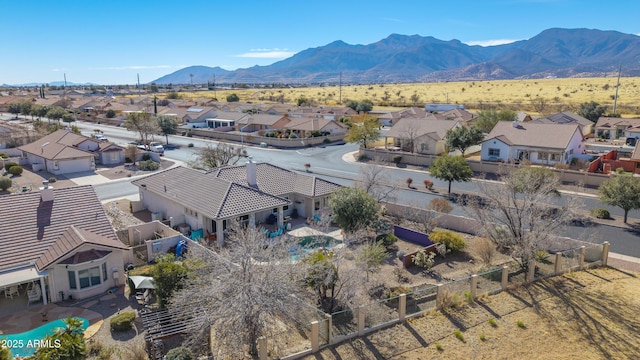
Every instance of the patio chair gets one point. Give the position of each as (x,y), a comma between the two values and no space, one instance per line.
(13,291)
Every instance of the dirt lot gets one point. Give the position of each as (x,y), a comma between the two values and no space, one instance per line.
(583,315)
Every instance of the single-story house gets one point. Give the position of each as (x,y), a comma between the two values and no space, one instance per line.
(420,135)
(225,119)
(303,127)
(567,117)
(540,143)
(392,117)
(65,152)
(257,122)
(58,244)
(617,128)
(249,193)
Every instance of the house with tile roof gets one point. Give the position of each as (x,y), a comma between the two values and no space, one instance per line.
(305,126)
(257,122)
(419,135)
(65,152)
(392,117)
(617,128)
(567,117)
(249,194)
(61,241)
(540,143)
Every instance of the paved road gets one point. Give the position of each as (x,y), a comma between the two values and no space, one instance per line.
(326,162)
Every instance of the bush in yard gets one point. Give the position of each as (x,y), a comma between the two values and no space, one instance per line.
(5,183)
(387,239)
(146,157)
(397,159)
(454,241)
(190,145)
(600,213)
(52,179)
(428,184)
(424,260)
(179,353)
(149,165)
(15,170)
(122,321)
(9,165)
(4,156)
(440,205)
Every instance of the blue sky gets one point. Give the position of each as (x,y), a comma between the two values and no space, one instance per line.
(109,42)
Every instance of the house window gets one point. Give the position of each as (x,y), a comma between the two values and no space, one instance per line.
(543,156)
(89,277)
(285,208)
(571,152)
(317,205)
(494,152)
(424,147)
(274,211)
(104,272)
(72,279)
(555,157)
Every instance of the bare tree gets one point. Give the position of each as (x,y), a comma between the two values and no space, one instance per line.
(245,291)
(540,105)
(518,216)
(132,153)
(212,157)
(374,179)
(143,124)
(410,133)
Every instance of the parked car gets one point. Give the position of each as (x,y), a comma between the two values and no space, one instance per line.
(100,137)
(153,146)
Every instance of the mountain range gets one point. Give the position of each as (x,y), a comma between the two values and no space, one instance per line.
(412,58)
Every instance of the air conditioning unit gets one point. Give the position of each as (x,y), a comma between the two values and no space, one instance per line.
(156,216)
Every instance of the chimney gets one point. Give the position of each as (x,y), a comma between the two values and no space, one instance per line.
(46,191)
(252,172)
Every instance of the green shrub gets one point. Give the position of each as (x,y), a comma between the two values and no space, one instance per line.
(149,165)
(190,145)
(9,164)
(179,353)
(15,170)
(326,141)
(483,337)
(600,213)
(4,156)
(110,114)
(5,183)
(128,160)
(439,347)
(424,260)
(146,157)
(459,335)
(387,239)
(363,157)
(397,159)
(52,179)
(493,323)
(454,241)
(520,324)
(122,321)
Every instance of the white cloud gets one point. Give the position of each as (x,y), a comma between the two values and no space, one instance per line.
(275,53)
(133,67)
(491,42)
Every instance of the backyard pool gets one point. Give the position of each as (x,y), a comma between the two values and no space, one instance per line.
(26,343)
(308,244)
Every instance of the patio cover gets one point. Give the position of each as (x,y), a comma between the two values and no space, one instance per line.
(142,282)
(21,276)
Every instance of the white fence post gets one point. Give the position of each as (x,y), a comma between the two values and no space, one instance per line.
(605,253)
(581,258)
(556,268)
(505,277)
(531,271)
(361,320)
(439,296)
(315,336)
(402,307)
(474,285)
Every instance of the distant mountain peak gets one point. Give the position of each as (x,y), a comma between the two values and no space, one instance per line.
(412,58)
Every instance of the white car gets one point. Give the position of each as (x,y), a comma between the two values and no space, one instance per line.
(154,147)
(101,137)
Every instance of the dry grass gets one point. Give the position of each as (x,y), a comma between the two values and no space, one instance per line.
(559,94)
(583,315)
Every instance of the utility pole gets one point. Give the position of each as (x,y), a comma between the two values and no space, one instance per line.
(615,100)
(214,87)
(138,84)
(340,87)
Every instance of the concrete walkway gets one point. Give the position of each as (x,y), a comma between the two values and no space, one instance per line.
(87,178)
